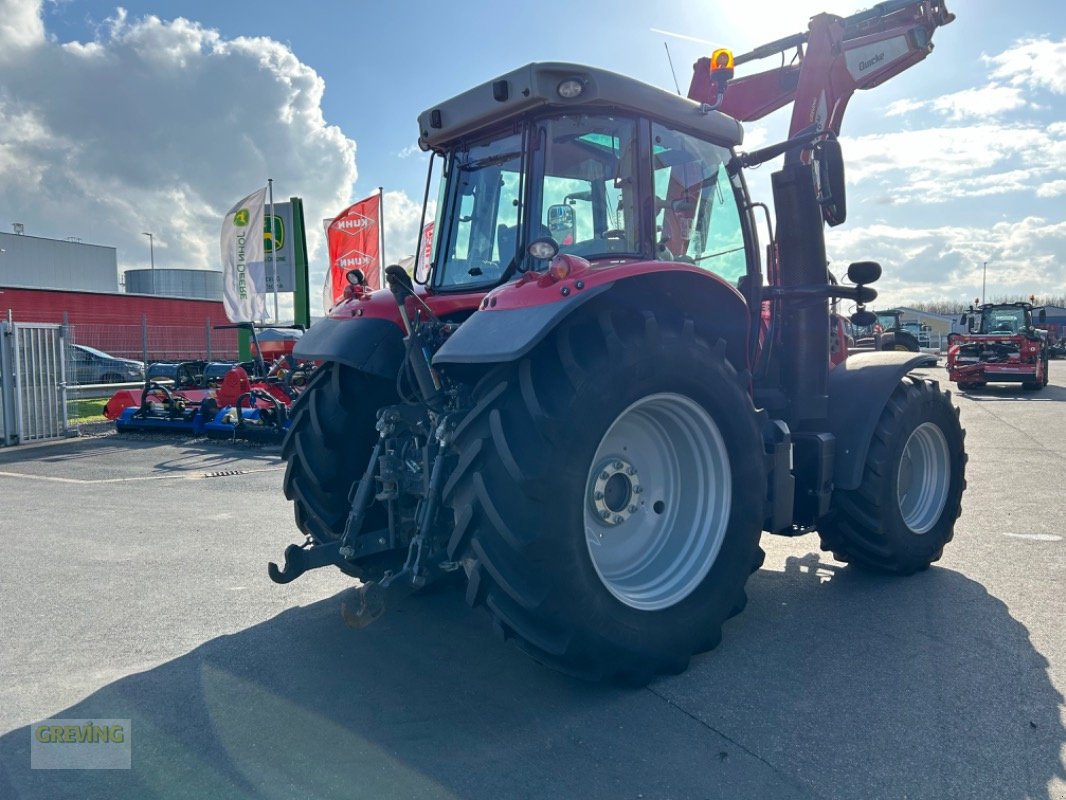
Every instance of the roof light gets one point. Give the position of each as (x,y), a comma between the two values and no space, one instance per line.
(570,88)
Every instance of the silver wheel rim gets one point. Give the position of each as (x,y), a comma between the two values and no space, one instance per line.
(924,477)
(657,501)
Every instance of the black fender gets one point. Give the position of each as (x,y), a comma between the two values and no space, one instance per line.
(859,388)
(500,336)
(366,344)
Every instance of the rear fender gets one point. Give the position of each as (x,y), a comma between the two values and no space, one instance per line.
(859,389)
(369,344)
(496,335)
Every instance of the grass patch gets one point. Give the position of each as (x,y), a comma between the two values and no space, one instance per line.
(88,410)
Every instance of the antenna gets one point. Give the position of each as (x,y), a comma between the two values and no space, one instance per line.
(668,58)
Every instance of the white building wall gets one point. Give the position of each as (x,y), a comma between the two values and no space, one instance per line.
(31,262)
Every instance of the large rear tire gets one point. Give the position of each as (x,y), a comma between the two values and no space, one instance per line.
(328,445)
(903,513)
(608,496)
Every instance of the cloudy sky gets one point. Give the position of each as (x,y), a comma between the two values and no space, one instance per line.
(158,116)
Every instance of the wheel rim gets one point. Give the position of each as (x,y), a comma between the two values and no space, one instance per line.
(657,501)
(924,477)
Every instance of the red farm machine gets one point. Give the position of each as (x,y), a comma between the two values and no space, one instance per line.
(1002,345)
(221,400)
(597,403)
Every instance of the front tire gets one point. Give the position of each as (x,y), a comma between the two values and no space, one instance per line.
(608,496)
(903,513)
(328,445)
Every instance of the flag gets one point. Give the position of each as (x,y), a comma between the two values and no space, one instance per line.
(327,284)
(354,242)
(425,258)
(244,260)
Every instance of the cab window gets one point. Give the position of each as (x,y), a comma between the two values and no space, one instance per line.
(696,215)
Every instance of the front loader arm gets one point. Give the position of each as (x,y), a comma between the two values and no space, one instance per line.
(834,58)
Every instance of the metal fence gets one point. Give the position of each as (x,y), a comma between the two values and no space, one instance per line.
(150,343)
(33,387)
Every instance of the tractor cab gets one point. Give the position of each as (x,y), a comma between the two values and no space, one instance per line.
(578,158)
(1001,319)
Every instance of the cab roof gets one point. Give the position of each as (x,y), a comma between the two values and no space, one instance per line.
(536,86)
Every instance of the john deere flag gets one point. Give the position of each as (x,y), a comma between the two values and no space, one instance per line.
(244,260)
(354,242)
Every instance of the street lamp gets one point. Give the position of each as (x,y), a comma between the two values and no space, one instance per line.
(151,254)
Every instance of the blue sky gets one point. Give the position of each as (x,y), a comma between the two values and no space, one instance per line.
(159,115)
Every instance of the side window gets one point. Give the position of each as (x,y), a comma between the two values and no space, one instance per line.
(696,216)
(588,192)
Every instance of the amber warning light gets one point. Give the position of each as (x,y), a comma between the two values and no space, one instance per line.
(722,64)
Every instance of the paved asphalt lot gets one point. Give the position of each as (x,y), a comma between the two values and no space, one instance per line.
(132,586)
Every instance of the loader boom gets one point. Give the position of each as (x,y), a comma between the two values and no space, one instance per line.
(832,59)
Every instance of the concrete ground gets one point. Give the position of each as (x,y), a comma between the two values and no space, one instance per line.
(133,585)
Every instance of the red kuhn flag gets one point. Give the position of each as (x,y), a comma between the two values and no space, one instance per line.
(354,243)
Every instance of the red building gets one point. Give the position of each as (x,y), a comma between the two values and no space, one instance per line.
(143,327)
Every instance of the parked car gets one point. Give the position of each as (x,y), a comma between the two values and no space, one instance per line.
(89,365)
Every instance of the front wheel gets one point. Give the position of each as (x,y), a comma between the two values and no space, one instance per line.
(608,496)
(903,512)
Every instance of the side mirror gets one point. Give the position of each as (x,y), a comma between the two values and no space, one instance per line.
(831,190)
(863,273)
(1042,316)
(863,319)
(964,320)
(561,221)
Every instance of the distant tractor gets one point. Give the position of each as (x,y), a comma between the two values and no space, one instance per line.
(1002,345)
(888,333)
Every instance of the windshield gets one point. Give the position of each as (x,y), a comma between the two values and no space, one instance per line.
(886,320)
(92,350)
(1003,320)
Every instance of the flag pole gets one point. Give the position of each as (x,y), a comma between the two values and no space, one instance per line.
(381,230)
(273,248)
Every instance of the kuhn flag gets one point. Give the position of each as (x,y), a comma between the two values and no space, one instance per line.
(425,257)
(244,260)
(354,243)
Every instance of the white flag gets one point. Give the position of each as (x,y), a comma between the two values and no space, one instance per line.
(244,260)
(327,285)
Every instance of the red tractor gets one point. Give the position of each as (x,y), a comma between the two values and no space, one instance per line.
(595,431)
(1002,346)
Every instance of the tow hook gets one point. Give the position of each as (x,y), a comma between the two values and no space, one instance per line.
(301,558)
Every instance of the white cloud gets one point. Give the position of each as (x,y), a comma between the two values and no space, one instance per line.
(158,126)
(1032,63)
(946,261)
(934,165)
(982,102)
(20,27)
(1051,189)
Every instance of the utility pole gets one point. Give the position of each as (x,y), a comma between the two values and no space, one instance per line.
(151,254)
(984,281)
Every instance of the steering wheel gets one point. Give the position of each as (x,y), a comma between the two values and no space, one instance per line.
(613,233)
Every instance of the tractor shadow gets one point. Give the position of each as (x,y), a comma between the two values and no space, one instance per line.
(832,684)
